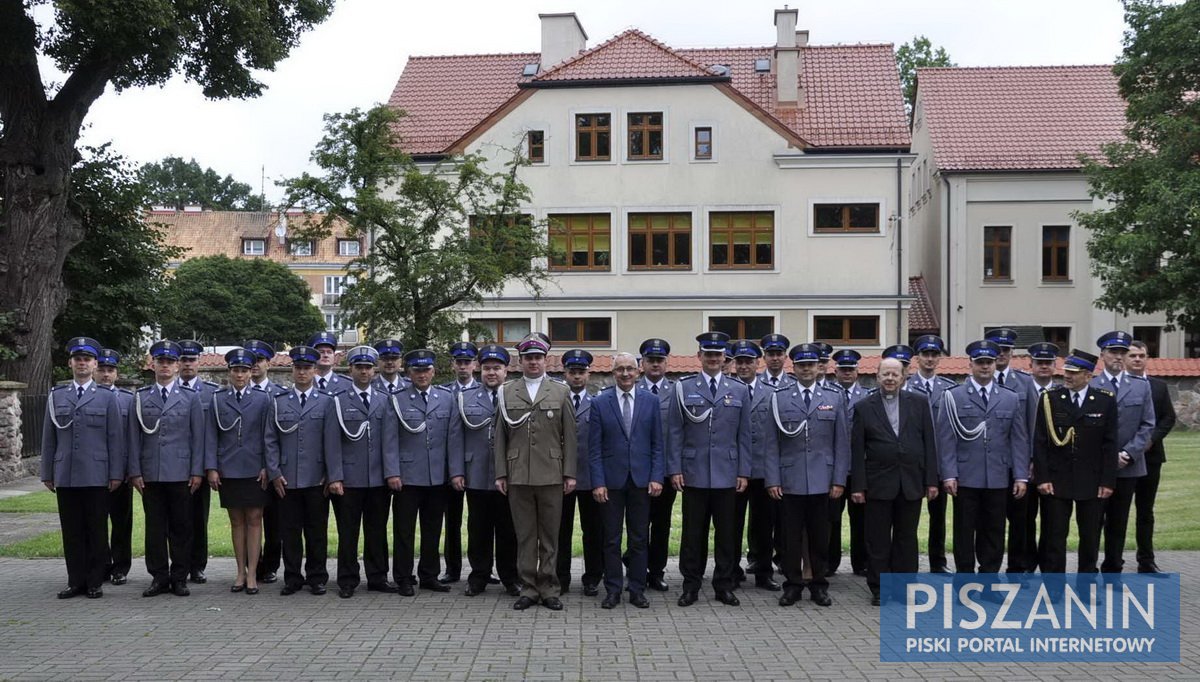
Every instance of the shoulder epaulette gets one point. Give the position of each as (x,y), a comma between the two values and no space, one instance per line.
(334,392)
(1021,371)
(557,380)
(737,380)
(944,380)
(686,377)
(834,387)
(449,386)
(1006,387)
(1142,378)
(872,391)
(60,386)
(143,389)
(283,392)
(441,388)
(1105,391)
(186,388)
(125,391)
(212,383)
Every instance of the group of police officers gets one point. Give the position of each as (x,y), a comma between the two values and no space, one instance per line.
(765,455)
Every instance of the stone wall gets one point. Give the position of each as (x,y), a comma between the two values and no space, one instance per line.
(10,430)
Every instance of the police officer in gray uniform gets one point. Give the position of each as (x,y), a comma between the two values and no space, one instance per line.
(1022,528)
(390,377)
(325,379)
(1136,420)
(189,360)
(166,465)
(709,461)
(260,380)
(774,350)
(577,368)
(653,355)
(304,462)
(120,501)
(490,533)
(846,364)
(983,446)
(807,453)
(764,511)
(429,434)
(928,351)
(83,461)
(368,449)
(466,360)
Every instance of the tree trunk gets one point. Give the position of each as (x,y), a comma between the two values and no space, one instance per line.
(37,231)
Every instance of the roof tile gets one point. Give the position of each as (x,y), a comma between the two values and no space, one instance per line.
(922,317)
(1019,118)
(213,233)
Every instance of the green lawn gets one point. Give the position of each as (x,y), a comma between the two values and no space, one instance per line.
(1177,512)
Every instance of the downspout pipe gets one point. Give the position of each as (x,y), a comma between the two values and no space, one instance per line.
(899,253)
(946,281)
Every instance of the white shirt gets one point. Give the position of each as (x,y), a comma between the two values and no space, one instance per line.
(632,393)
(1082,395)
(85,387)
(1110,378)
(327,377)
(169,386)
(307,394)
(990,389)
(533,385)
(262,384)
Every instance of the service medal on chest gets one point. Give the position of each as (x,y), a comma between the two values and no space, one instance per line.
(550,414)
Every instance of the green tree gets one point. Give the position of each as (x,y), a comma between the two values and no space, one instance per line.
(178,183)
(124,43)
(915,54)
(1145,246)
(223,301)
(116,275)
(440,238)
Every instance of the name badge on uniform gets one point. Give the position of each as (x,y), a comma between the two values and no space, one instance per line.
(549,414)
(824,407)
(728,400)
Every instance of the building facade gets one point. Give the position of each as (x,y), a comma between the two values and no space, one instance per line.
(750,190)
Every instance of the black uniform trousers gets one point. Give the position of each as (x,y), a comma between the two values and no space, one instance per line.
(591,523)
(802,514)
(662,509)
(120,517)
(490,534)
(1114,518)
(452,550)
(168,511)
(304,525)
(891,537)
(979,516)
(704,508)
(858,547)
(82,517)
(272,551)
(1022,531)
(201,501)
(762,530)
(937,531)
(1144,495)
(627,512)
(368,509)
(428,502)
(1056,520)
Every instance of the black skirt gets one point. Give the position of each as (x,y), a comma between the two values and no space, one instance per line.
(240,493)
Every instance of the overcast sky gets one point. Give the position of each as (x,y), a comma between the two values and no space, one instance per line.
(355,57)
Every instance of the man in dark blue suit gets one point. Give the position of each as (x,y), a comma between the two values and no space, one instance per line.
(625,456)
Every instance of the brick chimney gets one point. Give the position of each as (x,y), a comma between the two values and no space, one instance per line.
(563,37)
(787,58)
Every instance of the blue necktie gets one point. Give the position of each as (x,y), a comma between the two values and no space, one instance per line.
(807,399)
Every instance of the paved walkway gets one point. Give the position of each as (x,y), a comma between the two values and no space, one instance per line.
(216,634)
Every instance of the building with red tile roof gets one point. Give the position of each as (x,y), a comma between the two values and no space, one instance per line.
(747,189)
(993,195)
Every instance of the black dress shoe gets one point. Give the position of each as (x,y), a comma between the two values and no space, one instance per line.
(71,592)
(95,593)
(830,572)
(591,590)
(156,589)
(405,589)
(236,588)
(1149,568)
(447,578)
(345,592)
(728,598)
(119,579)
(688,598)
(198,577)
(180,589)
(564,587)
(639,600)
(317,589)
(860,572)
(267,578)
(768,584)
(382,587)
(938,569)
(874,600)
(512,590)
(821,597)
(474,590)
(252,591)
(657,583)
(523,603)
(434,586)
(289,590)
(611,600)
(493,580)
(552,603)
(790,596)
